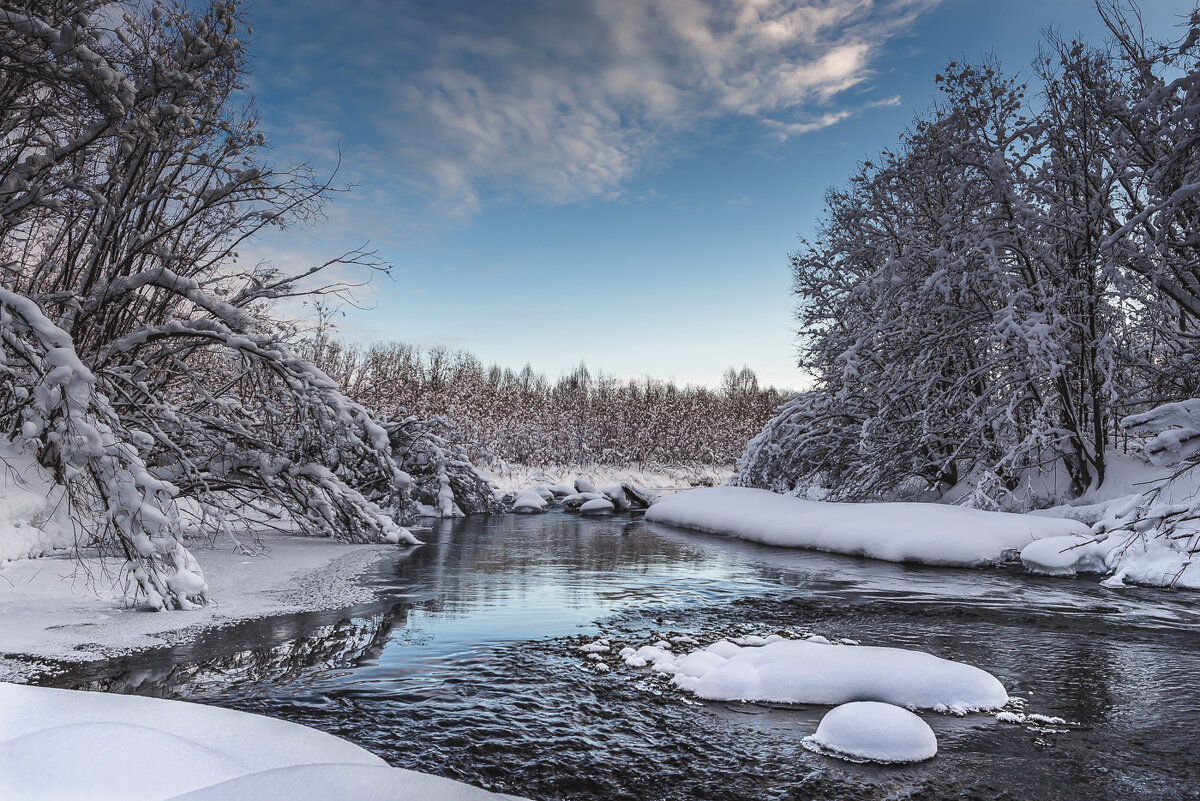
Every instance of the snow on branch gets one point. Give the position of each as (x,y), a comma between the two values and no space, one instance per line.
(139,364)
(1178,425)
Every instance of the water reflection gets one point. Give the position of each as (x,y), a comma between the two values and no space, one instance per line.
(468,667)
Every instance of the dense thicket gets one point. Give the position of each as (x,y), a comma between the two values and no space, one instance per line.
(138,358)
(522,418)
(985,302)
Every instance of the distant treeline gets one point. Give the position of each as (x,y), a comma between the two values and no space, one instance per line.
(522,417)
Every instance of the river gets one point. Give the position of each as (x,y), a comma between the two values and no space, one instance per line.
(468,666)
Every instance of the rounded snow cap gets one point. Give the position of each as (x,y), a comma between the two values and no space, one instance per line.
(871,731)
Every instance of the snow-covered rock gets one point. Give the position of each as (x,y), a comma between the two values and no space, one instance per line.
(639,497)
(528,502)
(616,494)
(398,535)
(66,744)
(598,506)
(583,485)
(562,490)
(810,672)
(571,503)
(928,533)
(1065,556)
(870,731)
(1125,557)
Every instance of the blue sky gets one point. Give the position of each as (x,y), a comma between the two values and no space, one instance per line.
(616,182)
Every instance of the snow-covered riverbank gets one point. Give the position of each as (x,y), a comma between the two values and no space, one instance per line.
(1107,531)
(60,609)
(130,748)
(928,533)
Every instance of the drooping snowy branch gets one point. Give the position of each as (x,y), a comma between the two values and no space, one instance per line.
(140,360)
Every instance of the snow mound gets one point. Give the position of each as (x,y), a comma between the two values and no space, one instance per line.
(1149,561)
(1065,556)
(529,502)
(616,494)
(399,534)
(597,506)
(133,748)
(811,672)
(100,754)
(929,533)
(325,782)
(870,731)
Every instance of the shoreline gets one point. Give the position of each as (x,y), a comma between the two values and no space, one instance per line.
(60,611)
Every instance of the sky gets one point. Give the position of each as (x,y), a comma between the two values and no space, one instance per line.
(613,182)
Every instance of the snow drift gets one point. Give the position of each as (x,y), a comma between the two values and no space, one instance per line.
(869,731)
(183,750)
(929,533)
(818,672)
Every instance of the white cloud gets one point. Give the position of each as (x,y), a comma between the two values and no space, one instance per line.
(562,102)
(785,130)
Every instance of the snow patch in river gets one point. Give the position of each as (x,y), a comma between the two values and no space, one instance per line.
(815,671)
(870,731)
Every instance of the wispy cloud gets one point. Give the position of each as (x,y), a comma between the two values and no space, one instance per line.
(566,101)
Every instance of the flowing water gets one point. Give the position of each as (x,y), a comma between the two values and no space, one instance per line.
(468,666)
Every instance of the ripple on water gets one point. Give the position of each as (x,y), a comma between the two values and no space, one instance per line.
(474,671)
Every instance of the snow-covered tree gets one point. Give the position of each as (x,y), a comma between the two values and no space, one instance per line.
(139,358)
(978,302)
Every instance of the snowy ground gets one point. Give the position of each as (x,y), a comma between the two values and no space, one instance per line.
(131,748)
(928,533)
(1121,555)
(60,609)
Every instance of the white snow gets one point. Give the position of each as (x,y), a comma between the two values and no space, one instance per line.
(616,494)
(529,502)
(808,672)
(400,534)
(870,731)
(1125,557)
(928,533)
(597,506)
(1128,544)
(65,744)
(33,510)
(1065,556)
(59,608)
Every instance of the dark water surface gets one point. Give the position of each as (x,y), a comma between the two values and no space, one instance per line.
(469,667)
